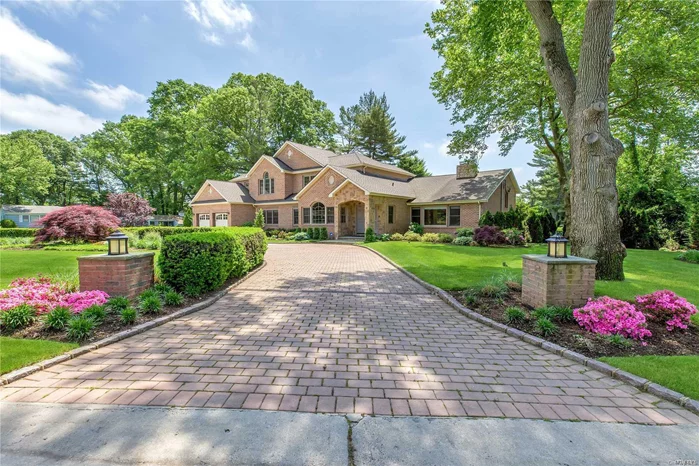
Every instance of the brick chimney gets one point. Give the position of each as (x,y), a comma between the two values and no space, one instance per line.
(466,170)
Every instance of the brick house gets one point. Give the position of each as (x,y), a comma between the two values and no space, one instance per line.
(302,186)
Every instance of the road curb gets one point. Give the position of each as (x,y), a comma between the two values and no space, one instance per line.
(41,365)
(616,373)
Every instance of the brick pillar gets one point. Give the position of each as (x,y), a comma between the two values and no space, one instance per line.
(547,281)
(126,275)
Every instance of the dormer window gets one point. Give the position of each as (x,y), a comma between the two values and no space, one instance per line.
(266,184)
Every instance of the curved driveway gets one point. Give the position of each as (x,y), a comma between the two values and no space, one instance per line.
(336,329)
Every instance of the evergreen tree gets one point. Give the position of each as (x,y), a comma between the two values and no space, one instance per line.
(414,165)
(369,128)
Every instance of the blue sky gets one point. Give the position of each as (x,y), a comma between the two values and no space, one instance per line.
(67,66)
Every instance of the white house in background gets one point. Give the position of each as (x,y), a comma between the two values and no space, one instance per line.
(25,216)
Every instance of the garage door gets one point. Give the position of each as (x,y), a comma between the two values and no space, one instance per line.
(221,220)
(204,220)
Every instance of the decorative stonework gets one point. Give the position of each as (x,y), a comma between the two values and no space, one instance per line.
(127,275)
(547,281)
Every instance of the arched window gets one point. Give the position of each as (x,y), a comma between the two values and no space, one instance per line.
(266,184)
(318,213)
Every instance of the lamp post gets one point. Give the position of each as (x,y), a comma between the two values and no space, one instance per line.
(117,244)
(557,246)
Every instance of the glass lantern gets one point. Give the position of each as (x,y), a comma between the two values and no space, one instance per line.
(117,244)
(557,246)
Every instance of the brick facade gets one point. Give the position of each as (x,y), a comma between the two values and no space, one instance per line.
(547,281)
(319,191)
(128,275)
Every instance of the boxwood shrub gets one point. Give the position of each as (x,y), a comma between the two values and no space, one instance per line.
(196,263)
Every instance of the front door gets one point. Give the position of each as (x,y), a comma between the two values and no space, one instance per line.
(359,214)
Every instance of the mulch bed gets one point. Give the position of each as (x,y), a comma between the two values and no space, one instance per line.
(570,335)
(111,323)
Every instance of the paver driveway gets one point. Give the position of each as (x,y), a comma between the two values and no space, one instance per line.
(335,328)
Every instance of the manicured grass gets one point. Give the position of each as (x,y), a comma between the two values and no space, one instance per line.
(16,353)
(679,373)
(23,263)
(453,267)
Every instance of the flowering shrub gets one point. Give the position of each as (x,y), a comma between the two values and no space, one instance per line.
(44,295)
(76,223)
(665,306)
(489,235)
(607,316)
(514,236)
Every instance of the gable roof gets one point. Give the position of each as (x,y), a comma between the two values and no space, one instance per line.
(447,188)
(319,156)
(230,192)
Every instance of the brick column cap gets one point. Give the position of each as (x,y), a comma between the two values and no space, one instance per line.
(121,257)
(544,259)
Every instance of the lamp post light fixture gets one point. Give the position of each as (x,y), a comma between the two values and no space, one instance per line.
(118,244)
(557,246)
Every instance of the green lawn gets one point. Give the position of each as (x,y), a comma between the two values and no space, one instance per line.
(23,263)
(16,353)
(453,267)
(679,373)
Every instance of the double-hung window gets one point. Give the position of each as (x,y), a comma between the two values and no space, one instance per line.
(454,216)
(271,217)
(415,215)
(390,214)
(330,215)
(306,215)
(296,216)
(435,216)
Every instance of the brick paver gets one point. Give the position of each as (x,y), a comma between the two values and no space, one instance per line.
(334,328)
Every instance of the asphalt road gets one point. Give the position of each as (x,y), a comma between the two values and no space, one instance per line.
(43,434)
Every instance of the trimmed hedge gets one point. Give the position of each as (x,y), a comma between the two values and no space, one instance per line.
(254,241)
(167,231)
(196,263)
(17,232)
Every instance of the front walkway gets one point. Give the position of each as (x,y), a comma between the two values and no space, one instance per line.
(336,329)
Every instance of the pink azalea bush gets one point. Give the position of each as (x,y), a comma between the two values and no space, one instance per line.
(607,316)
(44,295)
(665,306)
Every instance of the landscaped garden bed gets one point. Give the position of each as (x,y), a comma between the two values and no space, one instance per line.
(498,301)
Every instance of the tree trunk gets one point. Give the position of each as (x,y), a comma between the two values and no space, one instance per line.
(594,224)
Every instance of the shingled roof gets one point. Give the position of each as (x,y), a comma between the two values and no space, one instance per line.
(231,192)
(447,188)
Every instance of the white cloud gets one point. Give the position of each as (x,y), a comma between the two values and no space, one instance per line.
(213,38)
(34,112)
(98,9)
(24,56)
(227,14)
(248,42)
(115,98)
(221,16)
(444,149)
(428,145)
